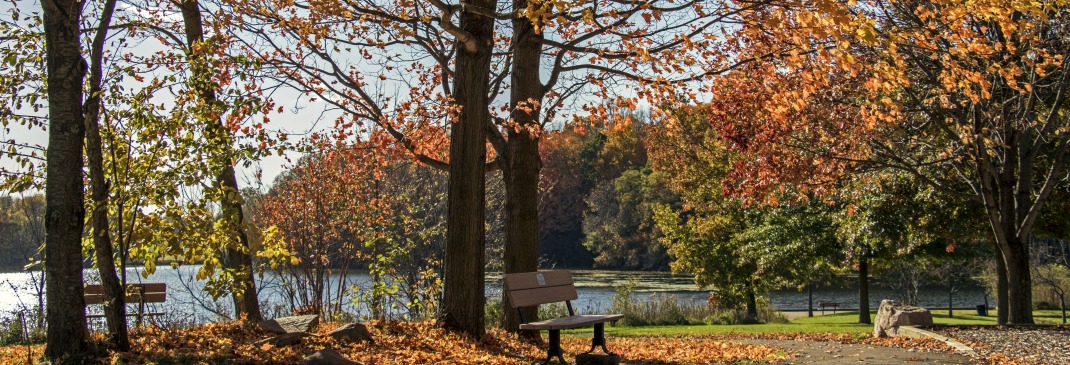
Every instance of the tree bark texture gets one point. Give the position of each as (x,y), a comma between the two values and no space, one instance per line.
(239,257)
(523,163)
(114,294)
(463,294)
(65,212)
(1019,284)
(863,291)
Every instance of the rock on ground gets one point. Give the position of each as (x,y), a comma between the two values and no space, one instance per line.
(290,324)
(893,314)
(353,332)
(327,357)
(285,339)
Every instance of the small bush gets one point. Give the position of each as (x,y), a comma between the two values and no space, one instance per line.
(766,314)
(20,327)
(658,309)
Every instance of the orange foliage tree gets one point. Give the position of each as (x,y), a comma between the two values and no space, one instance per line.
(325,209)
(966,96)
(399,66)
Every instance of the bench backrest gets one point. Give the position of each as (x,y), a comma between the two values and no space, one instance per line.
(135,293)
(542,287)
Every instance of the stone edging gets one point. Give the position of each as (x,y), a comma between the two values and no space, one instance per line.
(913,331)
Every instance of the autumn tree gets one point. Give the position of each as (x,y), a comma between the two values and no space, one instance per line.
(742,250)
(238,251)
(65,214)
(114,292)
(623,52)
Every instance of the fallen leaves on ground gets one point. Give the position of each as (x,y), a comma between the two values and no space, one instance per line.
(403,343)
(898,342)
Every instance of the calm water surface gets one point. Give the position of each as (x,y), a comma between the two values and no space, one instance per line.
(187,302)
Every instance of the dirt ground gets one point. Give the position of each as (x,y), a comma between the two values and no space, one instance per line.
(828,353)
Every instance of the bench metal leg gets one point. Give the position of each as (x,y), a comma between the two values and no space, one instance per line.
(555,348)
(599,339)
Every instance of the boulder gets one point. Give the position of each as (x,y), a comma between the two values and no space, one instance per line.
(290,324)
(285,339)
(327,357)
(893,314)
(353,332)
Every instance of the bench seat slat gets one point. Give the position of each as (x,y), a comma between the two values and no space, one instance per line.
(582,320)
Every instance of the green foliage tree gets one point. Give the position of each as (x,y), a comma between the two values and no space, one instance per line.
(741,250)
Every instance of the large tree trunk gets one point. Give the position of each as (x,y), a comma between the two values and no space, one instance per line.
(65,212)
(522,165)
(238,257)
(463,293)
(863,291)
(1019,283)
(114,295)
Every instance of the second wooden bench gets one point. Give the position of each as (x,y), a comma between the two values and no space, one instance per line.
(135,294)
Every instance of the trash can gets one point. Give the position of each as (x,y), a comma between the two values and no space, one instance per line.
(982,310)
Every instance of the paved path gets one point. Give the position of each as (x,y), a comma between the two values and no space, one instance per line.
(829,353)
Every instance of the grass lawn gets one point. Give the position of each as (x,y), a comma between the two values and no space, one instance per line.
(845,322)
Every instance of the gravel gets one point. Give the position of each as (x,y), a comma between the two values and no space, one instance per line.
(1024,344)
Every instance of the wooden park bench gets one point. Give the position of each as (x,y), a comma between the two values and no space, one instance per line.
(826,305)
(543,287)
(135,293)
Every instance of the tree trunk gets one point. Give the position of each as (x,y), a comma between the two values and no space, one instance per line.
(1063,304)
(752,305)
(810,300)
(1019,283)
(522,163)
(114,294)
(239,256)
(1001,289)
(65,212)
(863,291)
(463,293)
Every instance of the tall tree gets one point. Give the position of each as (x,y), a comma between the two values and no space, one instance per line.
(463,297)
(521,161)
(65,211)
(114,293)
(742,250)
(238,252)
(966,96)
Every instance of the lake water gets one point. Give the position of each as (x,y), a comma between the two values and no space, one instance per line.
(186,301)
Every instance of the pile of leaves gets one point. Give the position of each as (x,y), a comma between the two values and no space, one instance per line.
(400,343)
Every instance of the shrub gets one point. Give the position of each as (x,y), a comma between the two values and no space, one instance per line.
(21,327)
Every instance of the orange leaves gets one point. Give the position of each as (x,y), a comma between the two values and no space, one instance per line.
(672,350)
(402,343)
